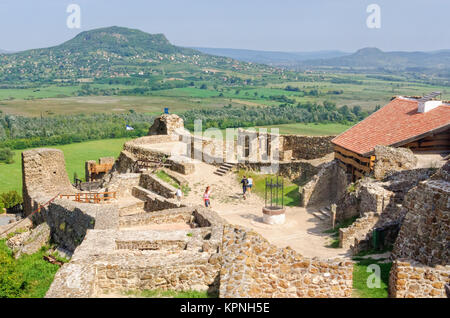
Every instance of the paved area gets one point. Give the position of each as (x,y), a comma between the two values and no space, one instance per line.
(302,231)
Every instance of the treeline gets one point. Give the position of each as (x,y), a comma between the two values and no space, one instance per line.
(19,132)
(234,117)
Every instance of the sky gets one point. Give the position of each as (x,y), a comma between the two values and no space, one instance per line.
(277,25)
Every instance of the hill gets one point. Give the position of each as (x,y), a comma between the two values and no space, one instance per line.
(274,58)
(374,59)
(112,52)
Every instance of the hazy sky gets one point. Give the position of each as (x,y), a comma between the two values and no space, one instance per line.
(281,25)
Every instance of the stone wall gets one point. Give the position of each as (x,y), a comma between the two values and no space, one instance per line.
(357,230)
(69,220)
(307,147)
(409,279)
(166,125)
(252,267)
(43,176)
(119,261)
(122,183)
(392,159)
(290,147)
(424,235)
(327,186)
(153,183)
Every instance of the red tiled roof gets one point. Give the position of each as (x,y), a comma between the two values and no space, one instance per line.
(396,122)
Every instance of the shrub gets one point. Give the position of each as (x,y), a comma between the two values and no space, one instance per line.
(6,155)
(10,199)
(12,283)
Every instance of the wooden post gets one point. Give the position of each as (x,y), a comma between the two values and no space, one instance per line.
(333,215)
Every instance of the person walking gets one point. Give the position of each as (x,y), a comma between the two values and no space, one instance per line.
(179,194)
(244,182)
(206,196)
(250,184)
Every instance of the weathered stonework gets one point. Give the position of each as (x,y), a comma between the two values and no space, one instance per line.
(392,159)
(43,176)
(357,230)
(327,186)
(409,279)
(166,125)
(424,236)
(252,267)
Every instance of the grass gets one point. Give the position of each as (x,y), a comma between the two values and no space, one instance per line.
(360,276)
(75,155)
(310,129)
(335,232)
(36,274)
(161,174)
(170,294)
(291,190)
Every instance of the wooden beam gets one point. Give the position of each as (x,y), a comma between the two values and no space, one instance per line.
(349,153)
(352,162)
(359,174)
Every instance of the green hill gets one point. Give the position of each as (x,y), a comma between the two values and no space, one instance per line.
(113,52)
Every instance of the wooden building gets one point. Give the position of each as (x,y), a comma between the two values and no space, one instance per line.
(422,125)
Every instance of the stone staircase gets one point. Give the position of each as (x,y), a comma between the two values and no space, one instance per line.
(224,169)
(323,214)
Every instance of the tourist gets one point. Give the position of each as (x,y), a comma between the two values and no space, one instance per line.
(179,194)
(206,196)
(244,182)
(250,184)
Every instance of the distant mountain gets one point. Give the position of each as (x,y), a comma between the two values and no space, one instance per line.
(108,53)
(375,59)
(5,51)
(274,58)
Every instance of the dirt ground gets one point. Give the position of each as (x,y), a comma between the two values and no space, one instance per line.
(302,231)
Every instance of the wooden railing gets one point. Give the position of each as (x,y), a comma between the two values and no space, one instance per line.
(90,197)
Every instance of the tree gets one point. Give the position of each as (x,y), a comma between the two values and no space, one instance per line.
(10,199)
(6,155)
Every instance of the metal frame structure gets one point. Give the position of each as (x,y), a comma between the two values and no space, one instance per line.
(272,189)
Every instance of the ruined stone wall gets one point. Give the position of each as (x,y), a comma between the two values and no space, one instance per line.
(176,215)
(191,272)
(390,159)
(327,186)
(153,183)
(357,230)
(166,125)
(69,220)
(43,176)
(290,147)
(308,147)
(153,201)
(409,279)
(424,235)
(252,267)
(122,184)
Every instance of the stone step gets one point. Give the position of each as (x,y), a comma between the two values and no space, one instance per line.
(319,216)
(219,173)
(228,165)
(325,212)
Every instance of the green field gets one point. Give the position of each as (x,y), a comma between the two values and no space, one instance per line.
(74,154)
(53,99)
(310,129)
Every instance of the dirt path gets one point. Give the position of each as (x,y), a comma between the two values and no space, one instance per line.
(302,231)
